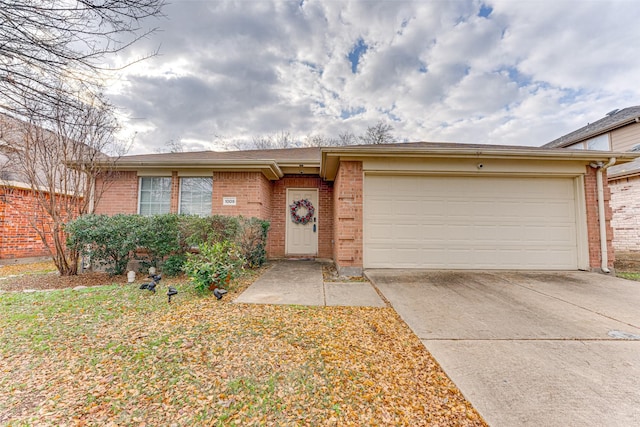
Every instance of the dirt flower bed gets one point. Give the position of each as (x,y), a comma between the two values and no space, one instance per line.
(117,355)
(330,274)
(44,276)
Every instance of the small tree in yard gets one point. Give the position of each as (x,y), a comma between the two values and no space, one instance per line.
(52,64)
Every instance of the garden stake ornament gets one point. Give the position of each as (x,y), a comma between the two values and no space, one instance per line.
(155,279)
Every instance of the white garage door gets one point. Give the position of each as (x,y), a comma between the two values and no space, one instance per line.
(469,222)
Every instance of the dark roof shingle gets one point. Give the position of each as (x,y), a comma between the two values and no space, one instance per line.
(611,121)
(279,155)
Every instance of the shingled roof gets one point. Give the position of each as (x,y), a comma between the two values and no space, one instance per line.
(613,120)
(283,154)
(303,154)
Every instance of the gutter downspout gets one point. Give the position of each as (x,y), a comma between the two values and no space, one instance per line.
(604,256)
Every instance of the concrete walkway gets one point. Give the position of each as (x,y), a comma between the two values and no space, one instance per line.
(301,283)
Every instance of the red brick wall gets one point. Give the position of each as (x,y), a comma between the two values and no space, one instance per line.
(276,242)
(593,224)
(347,199)
(174,205)
(120,195)
(625,204)
(251,190)
(18,239)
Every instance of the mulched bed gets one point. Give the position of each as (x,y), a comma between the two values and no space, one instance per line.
(44,276)
(54,281)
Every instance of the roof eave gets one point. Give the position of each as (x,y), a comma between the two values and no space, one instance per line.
(597,132)
(623,174)
(332,157)
(269,168)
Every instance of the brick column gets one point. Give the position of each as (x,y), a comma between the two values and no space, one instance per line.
(593,221)
(347,222)
(175,192)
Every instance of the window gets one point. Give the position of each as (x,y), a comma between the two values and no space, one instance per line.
(155,195)
(195,196)
(599,143)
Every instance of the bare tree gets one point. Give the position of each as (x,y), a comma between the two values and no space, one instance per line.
(319,141)
(44,42)
(279,140)
(347,138)
(380,133)
(172,146)
(39,151)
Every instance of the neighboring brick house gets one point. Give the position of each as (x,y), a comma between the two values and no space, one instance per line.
(23,222)
(619,131)
(18,207)
(409,205)
(18,239)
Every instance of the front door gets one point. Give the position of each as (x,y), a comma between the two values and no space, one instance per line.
(302,228)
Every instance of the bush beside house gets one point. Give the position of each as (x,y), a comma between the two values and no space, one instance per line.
(221,244)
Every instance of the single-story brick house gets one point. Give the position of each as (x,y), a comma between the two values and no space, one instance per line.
(619,130)
(409,205)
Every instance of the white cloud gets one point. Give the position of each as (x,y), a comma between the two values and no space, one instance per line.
(528,73)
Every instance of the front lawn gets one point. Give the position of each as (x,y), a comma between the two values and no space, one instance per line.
(117,355)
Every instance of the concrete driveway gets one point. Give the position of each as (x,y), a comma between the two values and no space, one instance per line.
(535,349)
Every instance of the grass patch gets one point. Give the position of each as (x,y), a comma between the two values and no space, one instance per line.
(629,275)
(119,355)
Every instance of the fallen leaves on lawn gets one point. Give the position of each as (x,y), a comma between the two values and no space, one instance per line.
(31,268)
(116,355)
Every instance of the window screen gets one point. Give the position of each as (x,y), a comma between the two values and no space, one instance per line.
(155,195)
(195,196)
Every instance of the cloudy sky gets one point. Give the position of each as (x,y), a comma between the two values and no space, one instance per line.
(495,71)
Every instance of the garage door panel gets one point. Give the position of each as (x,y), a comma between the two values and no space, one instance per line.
(469,222)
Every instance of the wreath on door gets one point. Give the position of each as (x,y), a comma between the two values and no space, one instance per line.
(296,206)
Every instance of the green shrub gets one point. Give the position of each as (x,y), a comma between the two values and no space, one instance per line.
(253,240)
(108,241)
(160,238)
(172,266)
(214,265)
(210,229)
(163,241)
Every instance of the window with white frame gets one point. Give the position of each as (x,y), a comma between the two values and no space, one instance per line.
(155,195)
(195,195)
(600,142)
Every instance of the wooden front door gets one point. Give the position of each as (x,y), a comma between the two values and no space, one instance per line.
(302,239)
